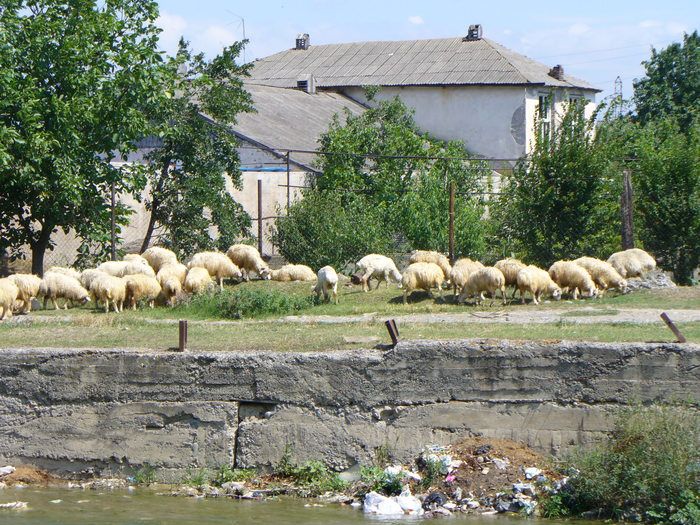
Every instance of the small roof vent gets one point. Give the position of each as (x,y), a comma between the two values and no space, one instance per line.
(307,83)
(474,33)
(557,72)
(303,41)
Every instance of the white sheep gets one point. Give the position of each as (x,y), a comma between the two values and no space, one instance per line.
(141,287)
(89,275)
(293,272)
(570,276)
(536,281)
(460,272)
(432,257)
(510,268)
(177,270)
(487,279)
(57,285)
(422,276)
(379,267)
(28,286)
(158,257)
(105,288)
(8,295)
(603,274)
(122,268)
(135,257)
(632,263)
(70,272)
(171,277)
(198,280)
(217,264)
(327,283)
(248,259)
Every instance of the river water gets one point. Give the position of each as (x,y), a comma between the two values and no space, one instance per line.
(55,506)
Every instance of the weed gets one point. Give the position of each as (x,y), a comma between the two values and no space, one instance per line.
(382,455)
(226,473)
(313,477)
(431,472)
(145,475)
(196,477)
(241,303)
(375,479)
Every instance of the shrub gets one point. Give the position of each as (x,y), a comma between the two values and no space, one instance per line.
(245,302)
(196,477)
(226,473)
(312,477)
(145,475)
(375,479)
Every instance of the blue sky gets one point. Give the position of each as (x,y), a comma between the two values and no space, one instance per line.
(594,40)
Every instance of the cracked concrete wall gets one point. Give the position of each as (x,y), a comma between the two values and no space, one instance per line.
(114,410)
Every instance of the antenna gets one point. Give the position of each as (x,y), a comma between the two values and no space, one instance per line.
(618,96)
(242,24)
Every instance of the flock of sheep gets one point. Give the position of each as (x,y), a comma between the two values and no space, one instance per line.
(157,276)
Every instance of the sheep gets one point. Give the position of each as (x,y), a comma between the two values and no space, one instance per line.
(141,287)
(217,264)
(9,292)
(70,272)
(248,259)
(157,257)
(571,276)
(510,268)
(377,266)
(536,281)
(293,272)
(57,285)
(422,275)
(432,257)
(171,277)
(632,263)
(122,268)
(487,279)
(603,274)
(177,270)
(198,280)
(327,283)
(105,288)
(461,271)
(28,286)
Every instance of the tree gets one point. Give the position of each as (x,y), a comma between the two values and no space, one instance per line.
(189,172)
(75,78)
(562,202)
(672,83)
(667,180)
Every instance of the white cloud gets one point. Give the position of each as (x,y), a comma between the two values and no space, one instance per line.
(214,38)
(644,24)
(579,29)
(416,20)
(173,27)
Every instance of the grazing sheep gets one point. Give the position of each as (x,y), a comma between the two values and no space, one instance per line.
(293,272)
(141,287)
(379,267)
(135,257)
(432,257)
(461,271)
(122,268)
(327,283)
(70,272)
(487,279)
(28,286)
(632,263)
(105,288)
(510,268)
(57,285)
(198,280)
(177,270)
(570,276)
(89,275)
(217,264)
(603,274)
(8,295)
(157,257)
(248,259)
(171,277)
(536,281)
(423,276)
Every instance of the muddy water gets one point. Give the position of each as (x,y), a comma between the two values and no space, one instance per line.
(49,506)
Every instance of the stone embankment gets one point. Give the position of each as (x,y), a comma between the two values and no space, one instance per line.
(107,412)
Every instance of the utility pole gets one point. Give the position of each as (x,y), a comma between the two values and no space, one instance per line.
(113,235)
(627,211)
(260,217)
(451,232)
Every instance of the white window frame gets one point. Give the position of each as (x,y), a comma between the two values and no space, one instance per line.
(544,111)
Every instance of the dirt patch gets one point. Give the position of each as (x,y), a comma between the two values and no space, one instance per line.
(27,475)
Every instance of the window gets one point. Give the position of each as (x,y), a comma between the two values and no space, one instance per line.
(544,113)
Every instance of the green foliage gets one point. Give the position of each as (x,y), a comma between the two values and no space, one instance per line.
(313,477)
(563,202)
(671,86)
(197,159)
(553,506)
(245,303)
(430,472)
(667,183)
(145,475)
(196,477)
(375,479)
(77,81)
(226,473)
(650,464)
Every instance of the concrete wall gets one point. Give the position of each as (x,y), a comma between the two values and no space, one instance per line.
(113,410)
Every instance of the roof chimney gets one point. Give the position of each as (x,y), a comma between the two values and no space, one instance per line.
(474,33)
(307,83)
(302,41)
(557,72)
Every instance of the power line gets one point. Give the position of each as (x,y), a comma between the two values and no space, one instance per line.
(601,50)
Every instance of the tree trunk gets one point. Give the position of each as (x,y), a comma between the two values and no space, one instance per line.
(155,202)
(39,249)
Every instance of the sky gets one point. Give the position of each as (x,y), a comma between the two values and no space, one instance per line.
(594,40)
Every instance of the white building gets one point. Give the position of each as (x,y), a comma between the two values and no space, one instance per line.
(466,88)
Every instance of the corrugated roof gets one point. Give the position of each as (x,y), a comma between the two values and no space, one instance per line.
(291,118)
(443,61)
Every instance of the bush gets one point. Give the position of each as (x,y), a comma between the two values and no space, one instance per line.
(145,475)
(196,477)
(375,479)
(226,473)
(313,477)
(650,465)
(245,302)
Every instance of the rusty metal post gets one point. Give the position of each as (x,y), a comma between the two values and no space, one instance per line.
(113,235)
(451,232)
(671,325)
(393,331)
(289,185)
(626,210)
(182,344)
(260,217)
